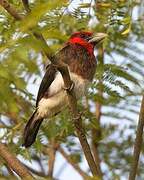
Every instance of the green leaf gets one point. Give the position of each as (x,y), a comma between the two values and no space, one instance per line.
(37,12)
(126,31)
(118,71)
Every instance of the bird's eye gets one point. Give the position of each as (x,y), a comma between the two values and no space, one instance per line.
(84,36)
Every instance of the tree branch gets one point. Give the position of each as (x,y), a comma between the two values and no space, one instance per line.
(38,173)
(37,158)
(14,163)
(75,166)
(96,134)
(138,143)
(52,153)
(10,9)
(26,5)
(11,173)
(77,121)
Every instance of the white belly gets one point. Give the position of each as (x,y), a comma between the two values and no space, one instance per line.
(57,101)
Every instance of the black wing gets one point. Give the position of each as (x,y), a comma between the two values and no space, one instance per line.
(46,82)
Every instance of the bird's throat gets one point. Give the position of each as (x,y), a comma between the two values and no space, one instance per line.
(84,43)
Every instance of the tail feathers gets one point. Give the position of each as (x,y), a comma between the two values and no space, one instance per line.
(31,130)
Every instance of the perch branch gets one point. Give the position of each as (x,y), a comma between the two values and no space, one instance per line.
(138,143)
(14,163)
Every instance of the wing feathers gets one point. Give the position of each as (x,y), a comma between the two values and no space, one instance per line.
(46,82)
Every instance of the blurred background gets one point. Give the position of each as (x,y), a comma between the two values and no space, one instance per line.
(110,108)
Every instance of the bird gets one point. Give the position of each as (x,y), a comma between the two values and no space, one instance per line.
(78,54)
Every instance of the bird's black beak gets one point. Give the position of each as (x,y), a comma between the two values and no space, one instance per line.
(97,38)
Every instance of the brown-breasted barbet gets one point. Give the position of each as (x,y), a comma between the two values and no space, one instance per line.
(78,54)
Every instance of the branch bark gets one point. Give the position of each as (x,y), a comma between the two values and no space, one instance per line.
(26,5)
(52,154)
(77,121)
(10,9)
(14,163)
(138,143)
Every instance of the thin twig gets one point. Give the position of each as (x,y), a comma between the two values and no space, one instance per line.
(70,161)
(138,143)
(14,163)
(10,9)
(38,173)
(52,154)
(38,160)
(51,162)
(26,5)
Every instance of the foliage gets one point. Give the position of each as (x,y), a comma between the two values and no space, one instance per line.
(119,77)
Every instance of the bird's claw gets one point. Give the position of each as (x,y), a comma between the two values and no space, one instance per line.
(78,116)
(70,87)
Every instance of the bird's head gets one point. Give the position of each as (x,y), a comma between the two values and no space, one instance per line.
(87,39)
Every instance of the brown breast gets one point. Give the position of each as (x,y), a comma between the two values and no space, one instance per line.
(80,61)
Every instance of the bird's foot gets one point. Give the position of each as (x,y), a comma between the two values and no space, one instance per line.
(78,116)
(70,87)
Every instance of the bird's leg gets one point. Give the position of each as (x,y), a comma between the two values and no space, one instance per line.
(70,88)
(77,123)
(77,118)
